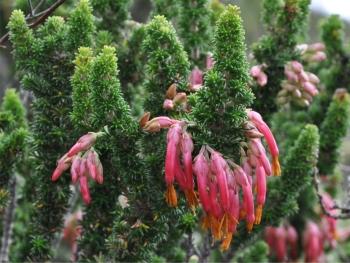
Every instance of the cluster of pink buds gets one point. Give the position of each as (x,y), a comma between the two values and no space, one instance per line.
(257,72)
(174,99)
(282,242)
(312,53)
(72,231)
(84,162)
(178,159)
(299,86)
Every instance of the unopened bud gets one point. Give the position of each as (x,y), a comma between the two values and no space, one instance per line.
(168,104)
(171,92)
(180,98)
(144,119)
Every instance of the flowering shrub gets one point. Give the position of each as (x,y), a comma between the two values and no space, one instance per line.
(170,108)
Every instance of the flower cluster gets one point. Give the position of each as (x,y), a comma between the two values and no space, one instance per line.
(257,72)
(175,100)
(283,242)
(312,53)
(299,86)
(83,162)
(220,182)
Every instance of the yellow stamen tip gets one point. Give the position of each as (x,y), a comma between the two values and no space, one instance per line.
(250,227)
(226,242)
(171,197)
(258,214)
(192,199)
(276,168)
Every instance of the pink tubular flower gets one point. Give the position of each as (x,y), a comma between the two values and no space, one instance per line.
(261,192)
(201,170)
(280,244)
(218,169)
(94,166)
(292,240)
(158,123)
(313,244)
(196,79)
(75,168)
(63,164)
(271,142)
(84,143)
(84,189)
(172,161)
(186,150)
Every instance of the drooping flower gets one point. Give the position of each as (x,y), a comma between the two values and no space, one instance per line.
(280,244)
(155,124)
(171,162)
(84,163)
(271,142)
(261,192)
(196,79)
(292,241)
(63,164)
(186,151)
(201,170)
(313,243)
(84,143)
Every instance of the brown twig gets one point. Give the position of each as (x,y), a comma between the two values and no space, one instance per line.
(345,212)
(42,17)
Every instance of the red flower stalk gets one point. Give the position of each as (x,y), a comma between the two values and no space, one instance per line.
(63,164)
(265,130)
(84,143)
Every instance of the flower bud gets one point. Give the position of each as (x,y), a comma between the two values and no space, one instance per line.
(168,104)
(84,143)
(171,92)
(63,164)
